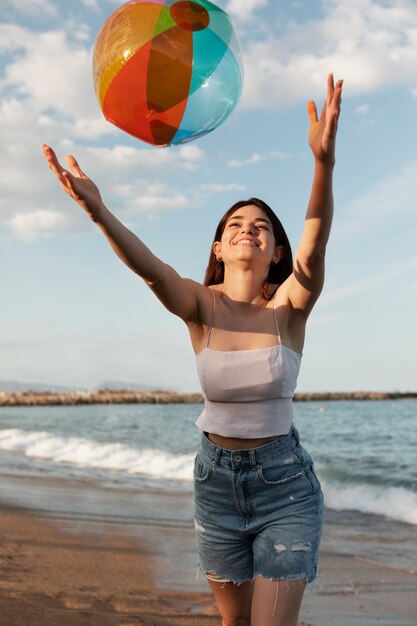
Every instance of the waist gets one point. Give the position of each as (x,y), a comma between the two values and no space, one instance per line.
(239,443)
(252,455)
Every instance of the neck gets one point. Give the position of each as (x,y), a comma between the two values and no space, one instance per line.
(245,286)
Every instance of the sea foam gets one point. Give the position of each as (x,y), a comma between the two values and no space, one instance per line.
(393,502)
(93,454)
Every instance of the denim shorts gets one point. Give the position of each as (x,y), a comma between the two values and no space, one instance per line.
(258,512)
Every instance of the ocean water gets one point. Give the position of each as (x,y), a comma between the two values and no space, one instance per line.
(364,451)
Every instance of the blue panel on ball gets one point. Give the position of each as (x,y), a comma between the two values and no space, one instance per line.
(208,51)
(210,105)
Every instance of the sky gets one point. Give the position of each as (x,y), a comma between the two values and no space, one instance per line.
(72,314)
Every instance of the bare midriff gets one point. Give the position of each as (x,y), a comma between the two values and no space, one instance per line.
(232,443)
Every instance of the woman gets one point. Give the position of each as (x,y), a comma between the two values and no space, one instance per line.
(258,501)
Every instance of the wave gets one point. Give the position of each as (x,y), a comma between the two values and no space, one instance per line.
(395,503)
(88,453)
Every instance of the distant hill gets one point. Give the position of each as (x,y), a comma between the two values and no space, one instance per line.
(117,385)
(14,386)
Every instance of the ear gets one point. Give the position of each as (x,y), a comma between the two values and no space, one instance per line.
(278,255)
(217,249)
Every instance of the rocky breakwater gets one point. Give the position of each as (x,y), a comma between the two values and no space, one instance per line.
(107,396)
(102,396)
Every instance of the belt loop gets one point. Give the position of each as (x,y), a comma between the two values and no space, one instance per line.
(296,435)
(217,455)
(252,457)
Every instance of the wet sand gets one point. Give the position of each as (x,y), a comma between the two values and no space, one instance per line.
(73,554)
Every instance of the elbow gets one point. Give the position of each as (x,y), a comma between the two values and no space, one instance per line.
(313,250)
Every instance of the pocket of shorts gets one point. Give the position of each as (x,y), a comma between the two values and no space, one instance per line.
(202,469)
(280,473)
(307,463)
(312,477)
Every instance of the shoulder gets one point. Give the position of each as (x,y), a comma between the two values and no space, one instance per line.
(206,301)
(198,327)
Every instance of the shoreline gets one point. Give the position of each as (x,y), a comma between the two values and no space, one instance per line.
(108,396)
(81,564)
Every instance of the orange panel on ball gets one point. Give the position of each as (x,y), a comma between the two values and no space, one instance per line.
(128,29)
(130,112)
(148,95)
(166,123)
(170,68)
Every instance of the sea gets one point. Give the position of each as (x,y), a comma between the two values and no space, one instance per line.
(365,452)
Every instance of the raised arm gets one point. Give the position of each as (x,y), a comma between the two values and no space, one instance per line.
(179,295)
(306,282)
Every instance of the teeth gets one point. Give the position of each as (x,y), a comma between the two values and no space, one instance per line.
(246,242)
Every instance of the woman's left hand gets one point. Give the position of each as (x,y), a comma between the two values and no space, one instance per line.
(322,132)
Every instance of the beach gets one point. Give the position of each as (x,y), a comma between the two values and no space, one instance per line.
(71,553)
(96,515)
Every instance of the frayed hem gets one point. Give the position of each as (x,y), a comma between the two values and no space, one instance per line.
(283,578)
(222,578)
(227,579)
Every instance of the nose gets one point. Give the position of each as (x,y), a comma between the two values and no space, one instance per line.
(248,227)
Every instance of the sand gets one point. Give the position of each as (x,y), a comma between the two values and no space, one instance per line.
(93,561)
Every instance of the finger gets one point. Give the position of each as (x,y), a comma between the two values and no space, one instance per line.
(337,99)
(73,164)
(338,91)
(312,112)
(52,159)
(66,180)
(330,88)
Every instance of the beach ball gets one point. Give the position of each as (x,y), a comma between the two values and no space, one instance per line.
(167,71)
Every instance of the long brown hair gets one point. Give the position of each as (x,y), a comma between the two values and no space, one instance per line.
(278,272)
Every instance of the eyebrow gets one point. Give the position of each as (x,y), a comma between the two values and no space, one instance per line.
(257,219)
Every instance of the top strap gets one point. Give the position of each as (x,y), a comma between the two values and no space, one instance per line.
(212,318)
(275,317)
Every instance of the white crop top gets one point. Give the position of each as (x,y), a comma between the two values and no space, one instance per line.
(247,393)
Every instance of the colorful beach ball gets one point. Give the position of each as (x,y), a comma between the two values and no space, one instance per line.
(167,71)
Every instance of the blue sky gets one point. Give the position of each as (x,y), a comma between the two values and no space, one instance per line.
(72,314)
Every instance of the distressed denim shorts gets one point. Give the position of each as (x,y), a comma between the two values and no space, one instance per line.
(258,512)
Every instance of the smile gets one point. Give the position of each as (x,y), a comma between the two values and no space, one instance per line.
(245,242)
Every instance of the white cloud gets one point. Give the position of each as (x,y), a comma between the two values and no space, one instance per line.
(31,7)
(39,223)
(256,158)
(244,9)
(91,4)
(152,197)
(370,283)
(221,187)
(369,44)
(126,159)
(53,73)
(191,155)
(362,109)
(384,203)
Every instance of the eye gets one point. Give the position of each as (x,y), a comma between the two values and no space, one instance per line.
(233,224)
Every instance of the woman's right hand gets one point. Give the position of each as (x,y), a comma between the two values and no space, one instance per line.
(76,184)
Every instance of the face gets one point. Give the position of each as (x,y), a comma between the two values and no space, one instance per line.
(248,235)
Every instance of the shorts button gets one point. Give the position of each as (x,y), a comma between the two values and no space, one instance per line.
(238,458)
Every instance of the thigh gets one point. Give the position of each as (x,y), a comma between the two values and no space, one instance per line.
(233,601)
(276,603)
(287,532)
(223,546)
(223,552)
